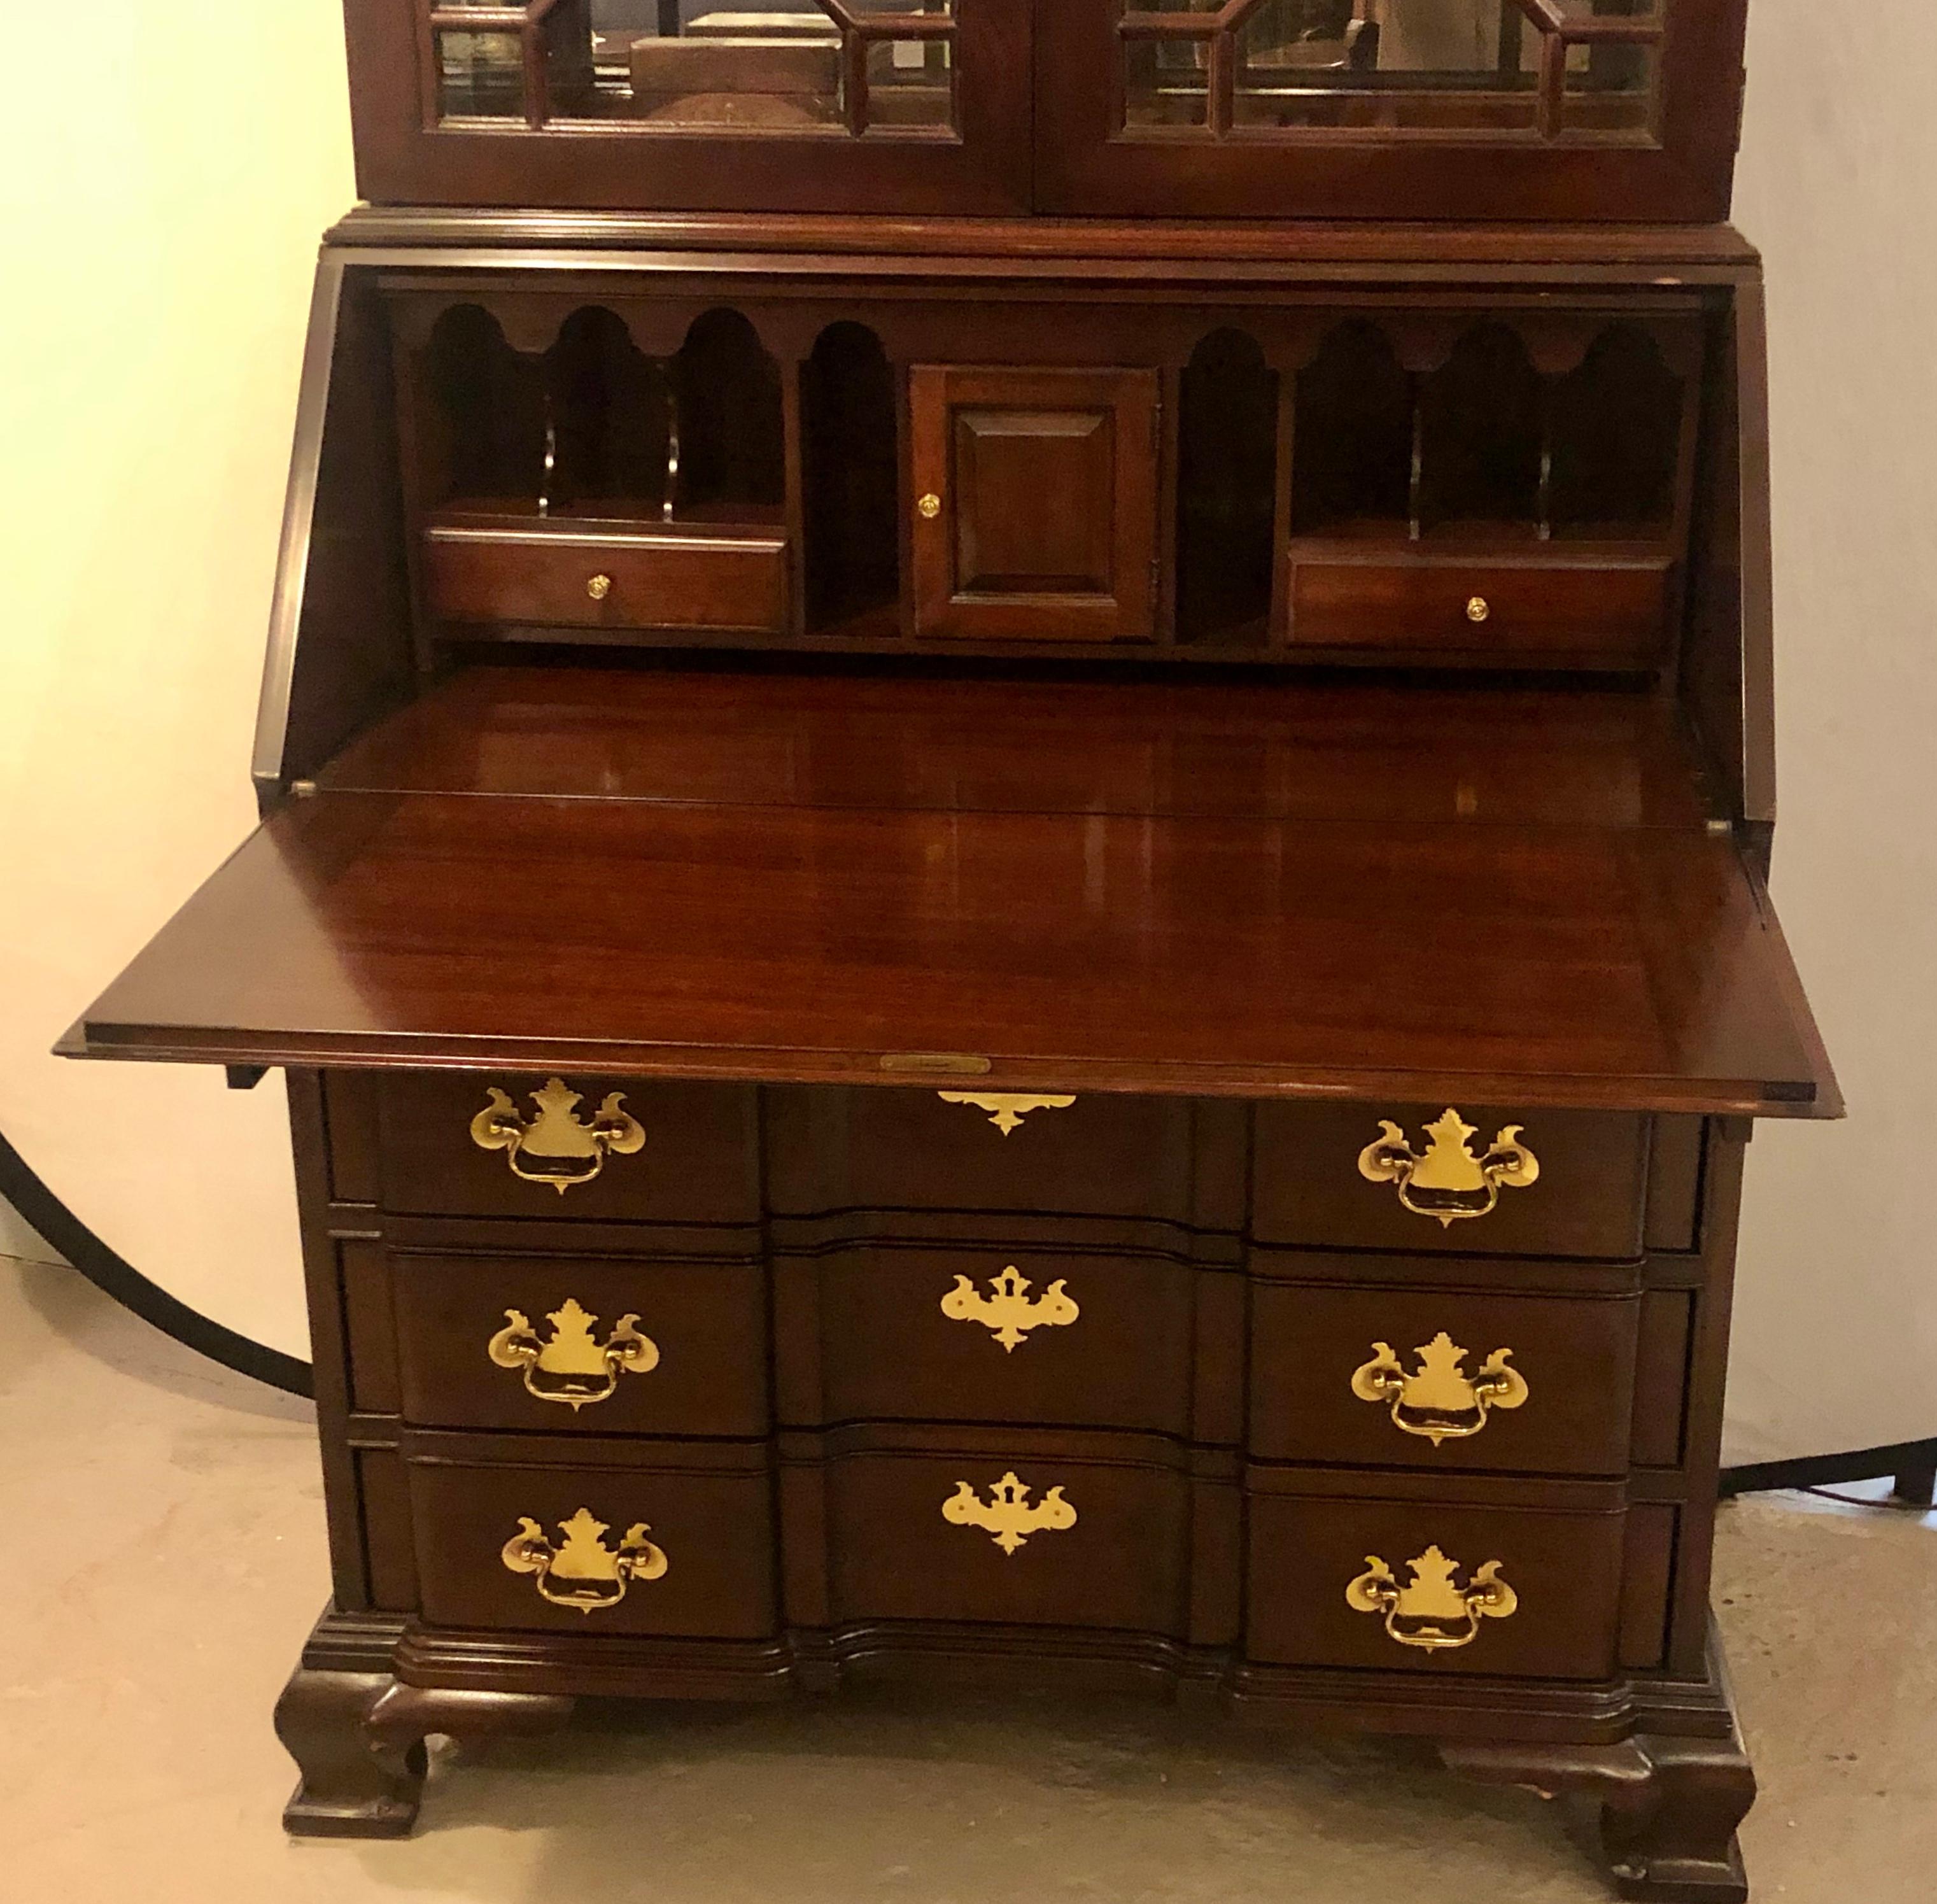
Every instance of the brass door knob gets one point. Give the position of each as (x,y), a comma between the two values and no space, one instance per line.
(930,506)
(598,587)
(1478,609)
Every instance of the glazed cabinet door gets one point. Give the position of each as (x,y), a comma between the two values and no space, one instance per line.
(1035,503)
(802,105)
(1468,109)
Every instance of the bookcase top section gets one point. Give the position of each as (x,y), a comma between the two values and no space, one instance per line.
(1543,109)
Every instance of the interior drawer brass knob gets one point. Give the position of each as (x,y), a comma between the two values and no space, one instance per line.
(571,1367)
(1009,1312)
(1448,1181)
(930,506)
(557,1146)
(1006,1110)
(1437,1401)
(1007,1516)
(580,1571)
(1432,1611)
(1478,609)
(598,587)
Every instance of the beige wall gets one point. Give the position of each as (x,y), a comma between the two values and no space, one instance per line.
(1836,1335)
(166,173)
(160,238)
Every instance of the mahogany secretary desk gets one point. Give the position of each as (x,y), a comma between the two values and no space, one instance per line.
(1016,779)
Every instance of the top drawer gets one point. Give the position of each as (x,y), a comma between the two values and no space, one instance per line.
(491,1144)
(1478,1180)
(1101,1154)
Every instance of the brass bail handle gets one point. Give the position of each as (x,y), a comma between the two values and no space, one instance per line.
(557,1146)
(1447,1181)
(571,1367)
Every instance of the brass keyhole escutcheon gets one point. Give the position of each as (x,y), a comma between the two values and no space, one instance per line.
(598,587)
(1478,609)
(930,506)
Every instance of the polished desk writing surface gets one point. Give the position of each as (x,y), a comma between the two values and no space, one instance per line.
(1554,964)
(1362,751)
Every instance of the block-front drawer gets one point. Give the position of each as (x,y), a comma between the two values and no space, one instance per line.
(1036,1338)
(1533,611)
(491,1144)
(1454,1381)
(953,1147)
(1479,1179)
(545,1536)
(1451,1583)
(597,1345)
(1021,1530)
(561,579)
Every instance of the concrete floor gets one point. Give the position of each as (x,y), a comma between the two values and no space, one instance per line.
(168,1559)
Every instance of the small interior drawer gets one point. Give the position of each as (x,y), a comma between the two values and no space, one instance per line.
(1561,1561)
(573,579)
(1038,1339)
(543,1343)
(1585,1197)
(1472,1382)
(703,1566)
(494,1144)
(1110,1552)
(1536,609)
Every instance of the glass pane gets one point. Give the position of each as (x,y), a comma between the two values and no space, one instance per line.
(1421,66)
(1166,82)
(1427,64)
(1611,90)
(480,75)
(779,66)
(910,83)
(681,64)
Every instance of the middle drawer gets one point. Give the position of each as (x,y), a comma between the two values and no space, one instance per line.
(1456,1380)
(605,1345)
(887,1331)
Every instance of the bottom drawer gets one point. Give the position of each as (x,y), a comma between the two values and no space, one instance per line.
(1463,1585)
(682,1548)
(1008,1530)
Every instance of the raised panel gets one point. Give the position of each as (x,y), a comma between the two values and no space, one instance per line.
(1035,503)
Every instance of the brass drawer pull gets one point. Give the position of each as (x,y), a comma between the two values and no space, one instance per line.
(1478,609)
(598,587)
(1449,1182)
(557,1147)
(1008,1517)
(930,507)
(1009,1314)
(1439,1402)
(1005,1110)
(581,1572)
(1433,1612)
(571,1368)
